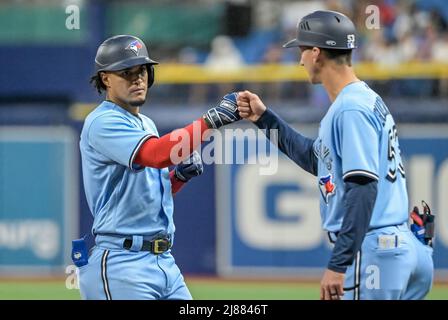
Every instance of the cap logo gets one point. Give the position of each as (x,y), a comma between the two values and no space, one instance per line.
(330,42)
(134,46)
(350,41)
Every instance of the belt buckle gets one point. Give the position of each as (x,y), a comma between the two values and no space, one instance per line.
(156,244)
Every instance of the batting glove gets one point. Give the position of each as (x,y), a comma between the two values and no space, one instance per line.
(225,112)
(190,168)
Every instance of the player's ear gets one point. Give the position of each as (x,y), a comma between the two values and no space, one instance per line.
(317,55)
(105,79)
(301,58)
(315,52)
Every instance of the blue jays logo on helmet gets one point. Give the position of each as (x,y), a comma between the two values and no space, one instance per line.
(134,46)
(327,187)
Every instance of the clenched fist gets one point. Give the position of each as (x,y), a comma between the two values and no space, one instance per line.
(250,106)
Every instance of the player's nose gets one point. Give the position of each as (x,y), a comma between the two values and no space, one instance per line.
(138,81)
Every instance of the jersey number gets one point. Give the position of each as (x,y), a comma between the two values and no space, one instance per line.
(393,152)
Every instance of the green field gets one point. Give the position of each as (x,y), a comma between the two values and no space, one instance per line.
(201,290)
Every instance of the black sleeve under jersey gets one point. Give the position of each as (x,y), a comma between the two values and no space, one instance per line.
(359,200)
(296,146)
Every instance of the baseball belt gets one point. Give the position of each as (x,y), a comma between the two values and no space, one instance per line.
(156,246)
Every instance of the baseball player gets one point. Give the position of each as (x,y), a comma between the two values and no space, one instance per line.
(128,186)
(360,174)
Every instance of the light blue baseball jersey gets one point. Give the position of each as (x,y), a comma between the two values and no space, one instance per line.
(124,198)
(358,136)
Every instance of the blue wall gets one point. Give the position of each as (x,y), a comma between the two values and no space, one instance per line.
(47,72)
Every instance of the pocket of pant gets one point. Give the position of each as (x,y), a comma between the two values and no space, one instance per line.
(429,249)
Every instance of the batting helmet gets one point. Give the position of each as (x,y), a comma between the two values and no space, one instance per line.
(325,29)
(122,52)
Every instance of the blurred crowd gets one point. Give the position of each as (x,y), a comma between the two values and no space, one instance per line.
(390,32)
(409,31)
(227,34)
(405,30)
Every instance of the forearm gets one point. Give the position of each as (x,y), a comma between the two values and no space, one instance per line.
(296,146)
(176,184)
(157,152)
(359,200)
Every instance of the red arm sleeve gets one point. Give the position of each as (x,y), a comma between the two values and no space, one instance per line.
(176,184)
(155,152)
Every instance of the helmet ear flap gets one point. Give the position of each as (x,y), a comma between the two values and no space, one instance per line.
(151,75)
